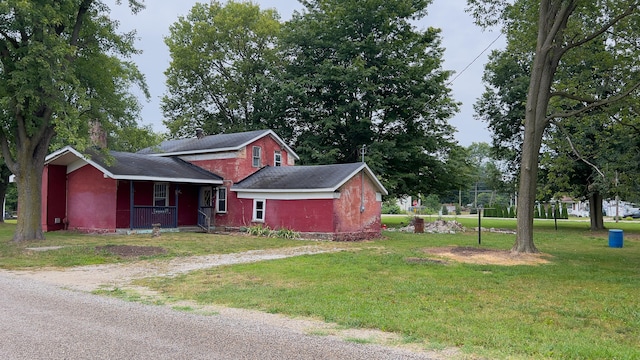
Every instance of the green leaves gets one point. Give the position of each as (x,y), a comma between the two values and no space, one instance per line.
(223,58)
(363,75)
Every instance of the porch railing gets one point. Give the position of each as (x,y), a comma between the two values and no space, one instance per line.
(145,216)
(205,215)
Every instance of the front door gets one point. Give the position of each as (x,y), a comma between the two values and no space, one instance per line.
(205,210)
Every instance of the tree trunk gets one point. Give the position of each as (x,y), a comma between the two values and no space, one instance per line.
(28,175)
(526,197)
(543,69)
(595,211)
(30,205)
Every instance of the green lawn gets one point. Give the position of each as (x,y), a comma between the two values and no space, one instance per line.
(80,249)
(584,304)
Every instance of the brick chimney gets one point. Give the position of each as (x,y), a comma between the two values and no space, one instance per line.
(97,136)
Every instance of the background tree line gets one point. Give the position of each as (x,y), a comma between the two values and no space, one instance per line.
(340,75)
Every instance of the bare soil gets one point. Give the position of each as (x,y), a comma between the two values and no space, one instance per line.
(485,256)
(130,251)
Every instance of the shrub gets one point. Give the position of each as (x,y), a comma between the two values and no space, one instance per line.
(259,230)
(284,233)
(445,211)
(390,208)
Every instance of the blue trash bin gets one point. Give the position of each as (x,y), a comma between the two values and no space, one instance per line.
(616,238)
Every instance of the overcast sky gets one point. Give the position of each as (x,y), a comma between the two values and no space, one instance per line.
(462,40)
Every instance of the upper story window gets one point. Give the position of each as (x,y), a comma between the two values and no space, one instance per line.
(221,200)
(257,156)
(277,158)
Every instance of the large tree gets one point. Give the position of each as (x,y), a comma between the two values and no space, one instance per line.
(223,58)
(560,28)
(61,69)
(360,74)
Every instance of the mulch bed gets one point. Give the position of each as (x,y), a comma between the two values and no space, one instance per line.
(130,251)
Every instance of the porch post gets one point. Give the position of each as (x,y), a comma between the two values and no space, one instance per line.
(130,204)
(175,216)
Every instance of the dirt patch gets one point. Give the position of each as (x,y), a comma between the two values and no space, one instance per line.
(129,251)
(485,256)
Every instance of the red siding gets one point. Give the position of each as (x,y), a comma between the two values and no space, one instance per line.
(350,222)
(338,219)
(54,191)
(300,215)
(238,168)
(91,200)
(239,211)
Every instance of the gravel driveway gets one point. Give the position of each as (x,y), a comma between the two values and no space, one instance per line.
(268,336)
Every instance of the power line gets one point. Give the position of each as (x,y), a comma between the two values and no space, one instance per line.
(474,60)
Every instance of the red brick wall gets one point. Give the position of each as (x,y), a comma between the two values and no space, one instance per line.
(91,200)
(347,215)
(238,168)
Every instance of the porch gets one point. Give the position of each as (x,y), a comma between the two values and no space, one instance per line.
(166,217)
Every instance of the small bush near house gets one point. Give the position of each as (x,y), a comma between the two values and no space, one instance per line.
(445,211)
(265,231)
(390,207)
(259,230)
(284,233)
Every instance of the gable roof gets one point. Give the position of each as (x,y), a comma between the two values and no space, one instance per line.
(213,143)
(313,178)
(130,166)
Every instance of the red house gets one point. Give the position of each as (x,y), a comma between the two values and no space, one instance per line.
(221,182)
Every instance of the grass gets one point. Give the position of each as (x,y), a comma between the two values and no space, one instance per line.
(80,249)
(583,305)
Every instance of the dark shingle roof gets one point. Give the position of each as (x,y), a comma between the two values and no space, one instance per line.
(136,165)
(303,178)
(129,166)
(211,143)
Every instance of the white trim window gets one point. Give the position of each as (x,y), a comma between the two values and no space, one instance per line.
(277,158)
(221,200)
(256,153)
(259,209)
(160,196)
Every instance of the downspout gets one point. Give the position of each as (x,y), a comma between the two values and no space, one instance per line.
(362,152)
(362,191)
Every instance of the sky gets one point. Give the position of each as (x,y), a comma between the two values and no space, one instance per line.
(462,39)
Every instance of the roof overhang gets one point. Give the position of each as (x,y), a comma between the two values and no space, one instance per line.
(234,148)
(327,193)
(73,159)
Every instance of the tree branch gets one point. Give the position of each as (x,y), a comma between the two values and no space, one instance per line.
(82,11)
(580,157)
(11,40)
(572,97)
(633,7)
(594,105)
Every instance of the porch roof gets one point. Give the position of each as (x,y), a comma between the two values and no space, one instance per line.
(130,166)
(213,143)
(312,178)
